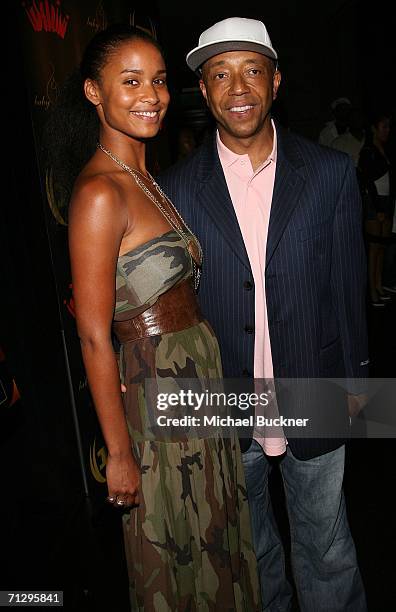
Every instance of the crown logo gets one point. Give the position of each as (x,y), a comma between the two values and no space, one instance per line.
(47,16)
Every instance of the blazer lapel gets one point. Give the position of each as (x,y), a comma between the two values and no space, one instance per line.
(215,198)
(288,186)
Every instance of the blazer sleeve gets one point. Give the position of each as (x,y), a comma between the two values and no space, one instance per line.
(348,279)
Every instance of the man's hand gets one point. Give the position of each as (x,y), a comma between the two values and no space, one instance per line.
(356,403)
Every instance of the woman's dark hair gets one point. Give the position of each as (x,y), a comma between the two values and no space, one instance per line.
(105,43)
(72,130)
(374,117)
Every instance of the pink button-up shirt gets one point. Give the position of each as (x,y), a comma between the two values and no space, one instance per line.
(251,194)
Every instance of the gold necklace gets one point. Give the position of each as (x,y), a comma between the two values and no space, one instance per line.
(177,222)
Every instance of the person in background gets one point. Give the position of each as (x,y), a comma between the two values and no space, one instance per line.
(284,286)
(339,124)
(135,269)
(352,140)
(377,178)
(389,275)
(186,141)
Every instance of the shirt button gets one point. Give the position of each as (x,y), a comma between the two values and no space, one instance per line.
(249,329)
(248,285)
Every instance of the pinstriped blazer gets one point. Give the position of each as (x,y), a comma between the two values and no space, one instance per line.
(315,265)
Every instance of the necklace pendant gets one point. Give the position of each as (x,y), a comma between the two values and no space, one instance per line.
(196,276)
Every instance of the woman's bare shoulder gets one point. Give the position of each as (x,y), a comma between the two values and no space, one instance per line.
(94,190)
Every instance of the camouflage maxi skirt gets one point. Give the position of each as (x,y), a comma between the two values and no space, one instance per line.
(188,544)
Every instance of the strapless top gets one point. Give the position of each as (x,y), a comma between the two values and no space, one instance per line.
(148,271)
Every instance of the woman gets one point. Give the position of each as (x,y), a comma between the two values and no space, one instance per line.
(187,536)
(375,173)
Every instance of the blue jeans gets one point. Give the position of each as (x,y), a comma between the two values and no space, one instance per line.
(323,554)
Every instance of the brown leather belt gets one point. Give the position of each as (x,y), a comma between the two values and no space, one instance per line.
(174,310)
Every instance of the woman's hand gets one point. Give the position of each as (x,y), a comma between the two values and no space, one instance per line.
(123,480)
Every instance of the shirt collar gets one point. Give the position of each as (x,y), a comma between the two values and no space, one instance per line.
(228,157)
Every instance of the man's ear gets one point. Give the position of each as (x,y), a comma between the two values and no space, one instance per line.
(275,83)
(203,90)
(91,91)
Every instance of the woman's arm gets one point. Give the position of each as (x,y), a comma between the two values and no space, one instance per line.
(97,223)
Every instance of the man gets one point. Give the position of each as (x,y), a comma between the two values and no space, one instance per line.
(352,141)
(339,125)
(283,286)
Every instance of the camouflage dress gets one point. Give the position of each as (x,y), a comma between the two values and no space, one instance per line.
(188,544)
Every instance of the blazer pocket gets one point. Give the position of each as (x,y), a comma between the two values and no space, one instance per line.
(312,231)
(331,354)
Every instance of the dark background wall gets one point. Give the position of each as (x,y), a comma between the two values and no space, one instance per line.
(326,50)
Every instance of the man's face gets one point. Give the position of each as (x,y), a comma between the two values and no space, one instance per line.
(239,88)
(342,112)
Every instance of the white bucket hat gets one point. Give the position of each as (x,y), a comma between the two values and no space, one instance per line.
(338,101)
(233,34)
